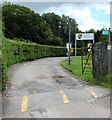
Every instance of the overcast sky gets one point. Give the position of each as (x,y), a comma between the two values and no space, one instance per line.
(87,14)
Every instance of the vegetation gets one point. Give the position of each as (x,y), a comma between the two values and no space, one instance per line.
(75,68)
(14,52)
(49,29)
(28,30)
(98,36)
(105,81)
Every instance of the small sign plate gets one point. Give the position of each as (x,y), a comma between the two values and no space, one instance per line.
(109,47)
(67,45)
(105,32)
(71,50)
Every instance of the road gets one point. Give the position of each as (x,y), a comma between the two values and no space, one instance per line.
(44,89)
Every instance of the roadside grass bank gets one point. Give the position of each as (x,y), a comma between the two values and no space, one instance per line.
(0,53)
(76,69)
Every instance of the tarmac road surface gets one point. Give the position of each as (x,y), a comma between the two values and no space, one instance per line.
(44,89)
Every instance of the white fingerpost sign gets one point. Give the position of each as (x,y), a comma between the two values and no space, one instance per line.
(67,46)
(83,36)
(109,47)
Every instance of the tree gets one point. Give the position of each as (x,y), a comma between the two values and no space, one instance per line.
(21,22)
(53,21)
(50,29)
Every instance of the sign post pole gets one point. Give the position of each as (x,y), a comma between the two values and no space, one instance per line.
(75,46)
(108,32)
(109,48)
(69,42)
(93,40)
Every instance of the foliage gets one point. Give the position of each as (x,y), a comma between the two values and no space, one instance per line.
(0,12)
(22,40)
(14,52)
(21,22)
(98,36)
(105,81)
(49,29)
(60,27)
(75,68)
(1,26)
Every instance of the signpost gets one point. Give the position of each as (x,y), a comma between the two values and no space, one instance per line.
(109,50)
(69,41)
(83,36)
(108,32)
(67,46)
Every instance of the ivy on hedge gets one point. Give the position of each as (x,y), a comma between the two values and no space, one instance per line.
(14,52)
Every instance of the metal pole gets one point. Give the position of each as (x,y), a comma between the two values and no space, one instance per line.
(75,46)
(109,44)
(69,42)
(93,40)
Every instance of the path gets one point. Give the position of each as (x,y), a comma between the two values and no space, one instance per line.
(43,89)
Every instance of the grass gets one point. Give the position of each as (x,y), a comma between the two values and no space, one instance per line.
(0,53)
(105,81)
(76,68)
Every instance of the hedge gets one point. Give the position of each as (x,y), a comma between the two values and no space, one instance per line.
(14,52)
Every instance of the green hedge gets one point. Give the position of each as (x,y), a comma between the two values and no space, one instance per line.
(15,52)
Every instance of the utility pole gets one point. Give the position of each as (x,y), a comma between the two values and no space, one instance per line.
(69,41)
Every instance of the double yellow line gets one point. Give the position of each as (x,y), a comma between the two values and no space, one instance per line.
(24,105)
(64,97)
(91,92)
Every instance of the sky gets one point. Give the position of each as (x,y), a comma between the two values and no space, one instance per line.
(88,15)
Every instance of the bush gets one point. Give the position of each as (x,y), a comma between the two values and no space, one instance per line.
(14,52)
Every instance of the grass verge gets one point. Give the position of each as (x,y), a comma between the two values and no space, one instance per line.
(0,53)
(76,69)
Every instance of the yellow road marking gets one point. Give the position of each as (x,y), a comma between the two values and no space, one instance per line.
(91,92)
(24,104)
(61,92)
(64,97)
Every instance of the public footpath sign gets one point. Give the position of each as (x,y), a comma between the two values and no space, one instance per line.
(67,46)
(109,47)
(105,32)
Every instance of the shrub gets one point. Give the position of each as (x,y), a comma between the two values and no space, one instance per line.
(14,52)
